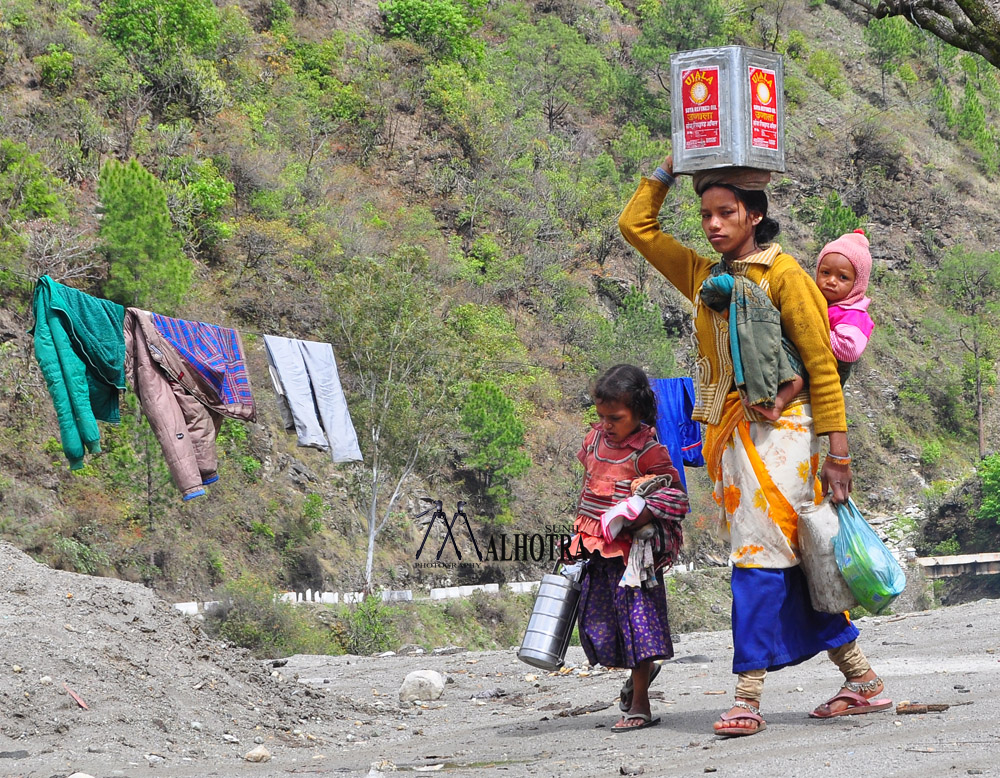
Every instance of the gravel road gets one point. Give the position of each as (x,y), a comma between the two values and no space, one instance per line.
(164,700)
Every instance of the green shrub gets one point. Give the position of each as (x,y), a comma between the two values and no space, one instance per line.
(835,219)
(253,617)
(27,189)
(154,29)
(272,13)
(931,454)
(147,262)
(796,46)
(56,68)
(989,483)
(444,26)
(71,554)
(795,90)
(824,68)
(495,438)
(368,627)
(949,547)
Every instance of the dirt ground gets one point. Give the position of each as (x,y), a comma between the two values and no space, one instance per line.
(164,700)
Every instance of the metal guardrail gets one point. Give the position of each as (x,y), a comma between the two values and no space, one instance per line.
(960,564)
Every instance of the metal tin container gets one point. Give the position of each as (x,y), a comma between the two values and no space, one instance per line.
(727,109)
(551,624)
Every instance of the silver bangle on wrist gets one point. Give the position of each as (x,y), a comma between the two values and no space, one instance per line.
(664,177)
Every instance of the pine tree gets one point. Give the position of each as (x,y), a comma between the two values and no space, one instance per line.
(891,40)
(942,101)
(496,440)
(147,264)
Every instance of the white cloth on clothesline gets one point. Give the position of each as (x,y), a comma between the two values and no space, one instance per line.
(311,400)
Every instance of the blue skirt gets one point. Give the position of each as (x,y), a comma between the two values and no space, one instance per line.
(775,624)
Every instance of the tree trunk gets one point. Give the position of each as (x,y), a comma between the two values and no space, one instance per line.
(980,422)
(372,532)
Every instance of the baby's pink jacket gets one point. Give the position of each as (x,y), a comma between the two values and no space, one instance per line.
(850,328)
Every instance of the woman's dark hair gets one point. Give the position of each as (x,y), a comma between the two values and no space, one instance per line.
(756,200)
(628,385)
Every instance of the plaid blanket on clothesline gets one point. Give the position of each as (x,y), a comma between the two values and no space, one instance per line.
(214,352)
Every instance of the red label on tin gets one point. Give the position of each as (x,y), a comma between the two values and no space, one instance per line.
(700,103)
(763,110)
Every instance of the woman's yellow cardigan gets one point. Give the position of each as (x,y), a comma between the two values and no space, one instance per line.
(791,290)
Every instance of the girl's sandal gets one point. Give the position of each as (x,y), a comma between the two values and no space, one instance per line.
(625,695)
(752,714)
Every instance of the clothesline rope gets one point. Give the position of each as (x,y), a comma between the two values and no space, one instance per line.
(440,354)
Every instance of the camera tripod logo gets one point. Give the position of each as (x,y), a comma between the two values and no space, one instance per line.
(449,526)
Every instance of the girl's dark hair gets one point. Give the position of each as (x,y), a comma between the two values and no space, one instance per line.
(756,200)
(628,385)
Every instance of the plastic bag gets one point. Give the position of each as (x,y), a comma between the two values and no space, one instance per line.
(870,569)
(828,591)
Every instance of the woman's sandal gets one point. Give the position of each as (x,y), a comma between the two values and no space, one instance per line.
(752,714)
(625,695)
(857,703)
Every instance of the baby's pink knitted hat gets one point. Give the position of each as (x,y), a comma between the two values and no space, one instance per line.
(854,246)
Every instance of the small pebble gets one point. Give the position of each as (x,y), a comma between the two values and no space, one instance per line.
(258,754)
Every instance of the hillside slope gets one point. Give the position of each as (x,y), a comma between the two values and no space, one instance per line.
(326,166)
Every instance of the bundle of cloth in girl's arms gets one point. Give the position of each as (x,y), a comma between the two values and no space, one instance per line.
(774,347)
(188,376)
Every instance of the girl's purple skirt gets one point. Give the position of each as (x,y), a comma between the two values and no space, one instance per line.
(620,626)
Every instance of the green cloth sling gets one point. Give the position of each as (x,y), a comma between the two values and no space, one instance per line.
(763,359)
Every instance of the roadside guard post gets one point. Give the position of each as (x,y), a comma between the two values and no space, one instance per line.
(727,109)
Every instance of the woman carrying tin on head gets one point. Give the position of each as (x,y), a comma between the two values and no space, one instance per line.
(765,470)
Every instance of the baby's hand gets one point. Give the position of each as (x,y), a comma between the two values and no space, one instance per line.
(772,414)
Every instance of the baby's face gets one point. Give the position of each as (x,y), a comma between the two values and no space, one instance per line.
(835,277)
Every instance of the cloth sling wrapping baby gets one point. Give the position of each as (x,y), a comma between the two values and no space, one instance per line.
(762,358)
(763,472)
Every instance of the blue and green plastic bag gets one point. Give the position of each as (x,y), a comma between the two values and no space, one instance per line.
(871,571)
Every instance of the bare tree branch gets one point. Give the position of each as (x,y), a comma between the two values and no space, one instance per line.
(971,25)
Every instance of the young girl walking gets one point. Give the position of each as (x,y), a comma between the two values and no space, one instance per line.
(629,476)
(842,273)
